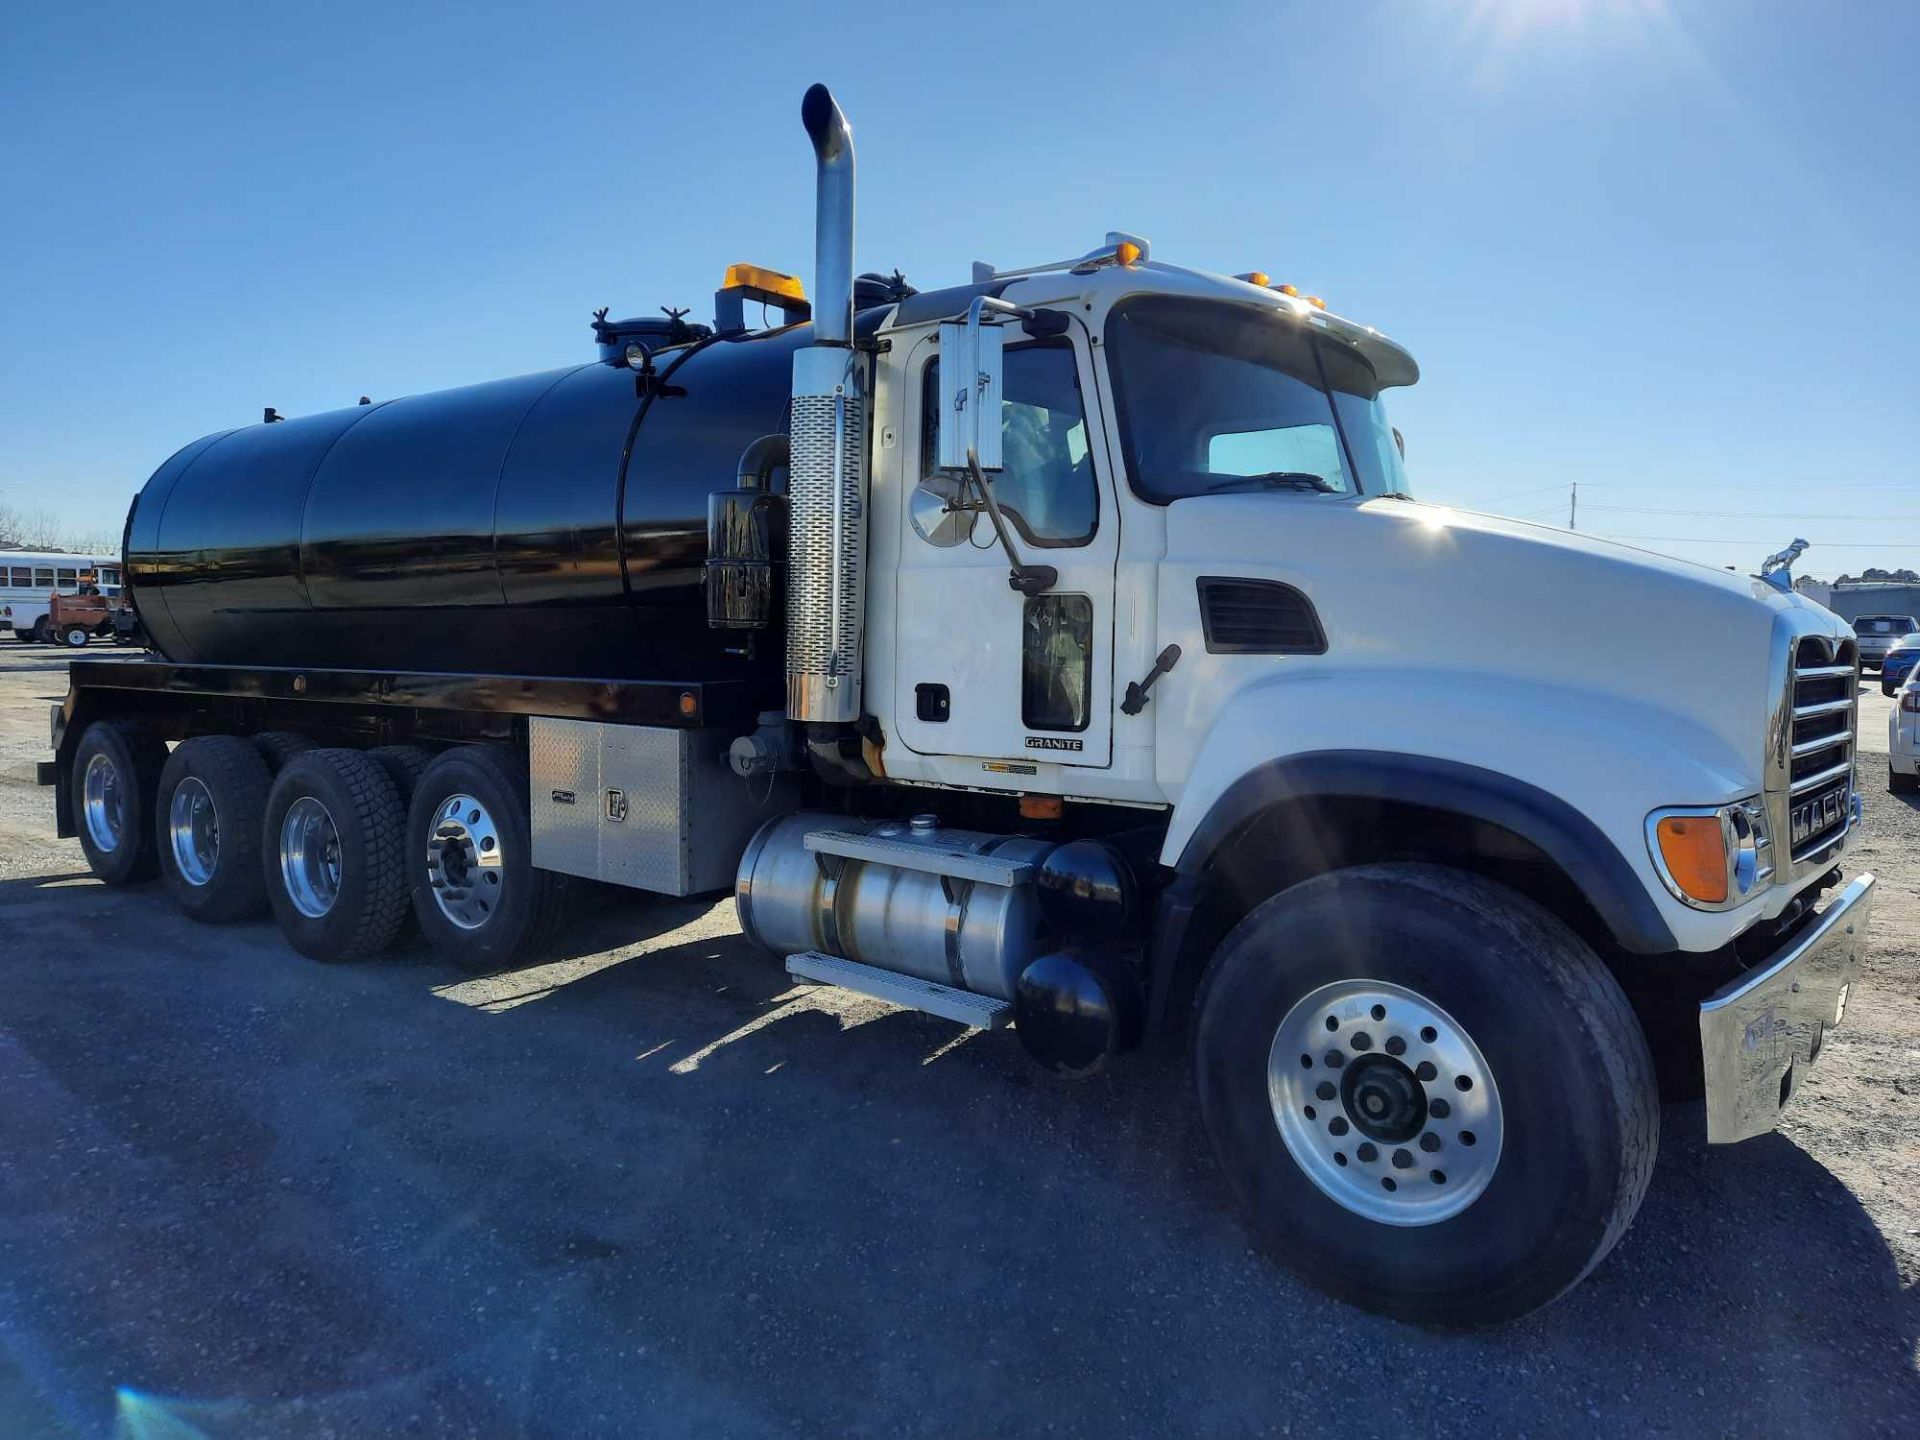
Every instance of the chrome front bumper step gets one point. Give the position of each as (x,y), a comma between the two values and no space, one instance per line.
(1762,1033)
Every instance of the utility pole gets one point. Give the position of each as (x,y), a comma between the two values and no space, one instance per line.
(1573,506)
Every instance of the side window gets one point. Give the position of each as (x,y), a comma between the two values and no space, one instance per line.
(1047,488)
(1056,662)
(22,577)
(67,579)
(43,577)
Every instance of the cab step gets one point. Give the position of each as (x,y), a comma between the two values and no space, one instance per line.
(930,859)
(981,1012)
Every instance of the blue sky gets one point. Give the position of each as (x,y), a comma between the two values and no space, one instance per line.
(1665,250)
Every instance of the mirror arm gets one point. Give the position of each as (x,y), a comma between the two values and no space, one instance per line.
(1027,579)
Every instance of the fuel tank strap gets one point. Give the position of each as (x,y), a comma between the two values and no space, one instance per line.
(928,859)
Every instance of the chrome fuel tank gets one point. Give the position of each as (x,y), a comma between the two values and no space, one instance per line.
(929,915)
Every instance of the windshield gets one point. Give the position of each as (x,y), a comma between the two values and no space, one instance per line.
(1214,396)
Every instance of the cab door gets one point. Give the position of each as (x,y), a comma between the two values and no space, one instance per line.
(980,669)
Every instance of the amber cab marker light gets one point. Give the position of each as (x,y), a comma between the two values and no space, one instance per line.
(1696,855)
(1316,302)
(1126,253)
(760,278)
(1290,290)
(1258,277)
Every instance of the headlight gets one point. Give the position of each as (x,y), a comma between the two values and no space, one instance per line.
(1712,857)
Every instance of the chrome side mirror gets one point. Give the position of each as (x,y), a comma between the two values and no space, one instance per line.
(970,375)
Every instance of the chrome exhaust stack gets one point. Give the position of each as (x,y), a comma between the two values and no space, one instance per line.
(827,477)
(832,217)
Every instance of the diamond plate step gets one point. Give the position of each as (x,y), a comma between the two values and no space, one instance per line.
(982,1012)
(932,859)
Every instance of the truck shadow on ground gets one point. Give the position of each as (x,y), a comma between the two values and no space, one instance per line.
(674,1189)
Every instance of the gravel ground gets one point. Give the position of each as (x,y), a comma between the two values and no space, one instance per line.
(653,1188)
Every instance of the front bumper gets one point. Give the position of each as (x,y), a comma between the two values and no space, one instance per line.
(1761,1034)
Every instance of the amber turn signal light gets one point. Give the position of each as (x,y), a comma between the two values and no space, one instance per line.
(1695,852)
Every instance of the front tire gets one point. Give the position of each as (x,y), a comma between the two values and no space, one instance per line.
(1430,1096)
(479,900)
(332,843)
(207,828)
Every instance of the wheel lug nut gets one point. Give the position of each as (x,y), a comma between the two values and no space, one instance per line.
(1338,1125)
(1402,1160)
(1335,1059)
(1362,1040)
(1440,1109)
(1325,1090)
(1396,1046)
(1429,1142)
(1368,1153)
(1425,1071)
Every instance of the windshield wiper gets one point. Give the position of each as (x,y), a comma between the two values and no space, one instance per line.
(1277,480)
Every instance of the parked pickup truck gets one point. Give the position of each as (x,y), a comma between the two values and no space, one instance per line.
(1878,634)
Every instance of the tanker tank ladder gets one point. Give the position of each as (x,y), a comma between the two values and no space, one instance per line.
(956,868)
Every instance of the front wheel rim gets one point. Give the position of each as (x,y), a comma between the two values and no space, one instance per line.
(1385,1102)
(466,864)
(193,831)
(310,857)
(103,798)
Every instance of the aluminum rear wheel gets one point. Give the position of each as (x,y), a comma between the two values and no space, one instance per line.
(193,831)
(465,861)
(310,857)
(1385,1102)
(104,803)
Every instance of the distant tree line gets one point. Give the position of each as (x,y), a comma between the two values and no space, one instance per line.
(1894,577)
(37,529)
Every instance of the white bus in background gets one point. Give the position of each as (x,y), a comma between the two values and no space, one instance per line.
(29,577)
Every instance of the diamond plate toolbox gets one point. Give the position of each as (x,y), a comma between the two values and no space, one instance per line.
(618,803)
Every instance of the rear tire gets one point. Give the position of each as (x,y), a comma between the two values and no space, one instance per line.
(43,630)
(405,764)
(478,898)
(116,774)
(75,637)
(331,847)
(207,828)
(277,747)
(1463,1200)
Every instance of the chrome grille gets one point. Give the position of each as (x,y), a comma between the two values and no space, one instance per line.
(1825,682)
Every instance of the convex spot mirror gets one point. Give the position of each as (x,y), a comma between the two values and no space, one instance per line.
(941,511)
(971,366)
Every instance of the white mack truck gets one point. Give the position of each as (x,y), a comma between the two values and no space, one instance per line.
(1061,651)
